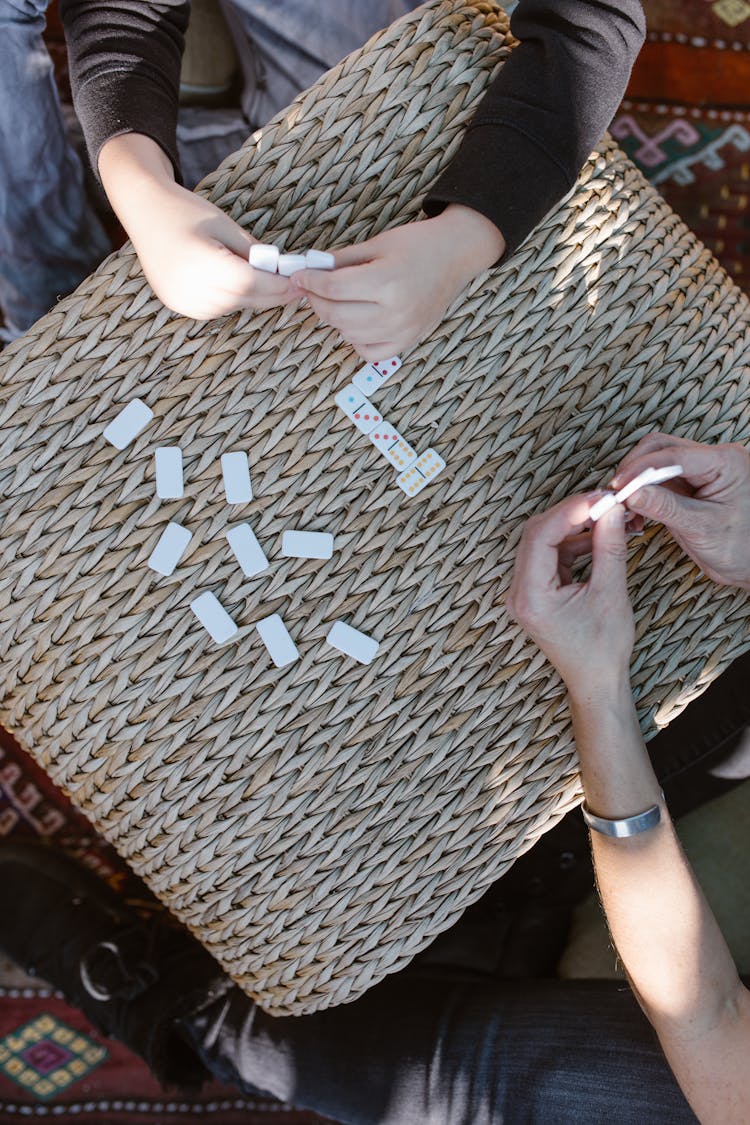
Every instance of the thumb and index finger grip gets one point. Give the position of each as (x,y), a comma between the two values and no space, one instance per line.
(537,558)
(609,550)
(701,464)
(664,505)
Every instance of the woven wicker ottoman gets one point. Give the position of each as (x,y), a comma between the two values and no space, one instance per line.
(316,826)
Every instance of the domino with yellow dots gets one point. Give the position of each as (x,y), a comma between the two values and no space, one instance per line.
(417,476)
(393,446)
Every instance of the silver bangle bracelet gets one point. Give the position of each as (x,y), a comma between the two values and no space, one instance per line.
(628,826)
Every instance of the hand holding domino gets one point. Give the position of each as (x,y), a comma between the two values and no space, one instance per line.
(267,258)
(648,476)
(708,511)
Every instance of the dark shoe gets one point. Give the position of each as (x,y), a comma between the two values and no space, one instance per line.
(133,977)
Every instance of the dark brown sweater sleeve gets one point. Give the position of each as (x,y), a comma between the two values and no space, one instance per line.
(124,62)
(522,152)
(545,111)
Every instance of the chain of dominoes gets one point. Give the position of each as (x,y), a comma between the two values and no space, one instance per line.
(415,469)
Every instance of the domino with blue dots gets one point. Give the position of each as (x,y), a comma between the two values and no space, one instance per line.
(370,378)
(358,409)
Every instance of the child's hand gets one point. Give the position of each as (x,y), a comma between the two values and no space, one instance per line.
(392,291)
(194,256)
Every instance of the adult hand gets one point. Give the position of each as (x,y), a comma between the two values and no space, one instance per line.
(584,628)
(707,510)
(194,256)
(391,291)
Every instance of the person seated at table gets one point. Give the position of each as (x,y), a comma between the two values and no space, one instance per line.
(438,1044)
(532,132)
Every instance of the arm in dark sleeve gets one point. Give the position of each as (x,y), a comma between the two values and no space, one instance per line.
(543,114)
(124,62)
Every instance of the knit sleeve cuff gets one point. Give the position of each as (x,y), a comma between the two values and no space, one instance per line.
(114,104)
(503,174)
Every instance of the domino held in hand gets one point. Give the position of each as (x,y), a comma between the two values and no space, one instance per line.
(264,256)
(648,476)
(290,263)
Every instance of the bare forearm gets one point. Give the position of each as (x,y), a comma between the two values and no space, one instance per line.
(665,933)
(137,176)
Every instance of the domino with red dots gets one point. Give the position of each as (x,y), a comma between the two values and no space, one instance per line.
(387,367)
(417,476)
(358,409)
(371,377)
(393,446)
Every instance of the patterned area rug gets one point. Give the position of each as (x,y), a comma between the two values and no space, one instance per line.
(686,119)
(53,1068)
(53,1064)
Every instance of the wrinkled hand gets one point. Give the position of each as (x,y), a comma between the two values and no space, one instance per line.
(584,628)
(194,256)
(707,510)
(388,293)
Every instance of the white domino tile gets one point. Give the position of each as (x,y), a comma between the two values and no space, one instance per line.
(417,476)
(387,367)
(128,424)
(291,263)
(297,544)
(602,505)
(275,636)
(319,260)
(358,409)
(169,482)
(393,446)
(648,476)
(247,550)
(264,257)
(351,642)
(368,379)
(169,550)
(213,617)
(236,473)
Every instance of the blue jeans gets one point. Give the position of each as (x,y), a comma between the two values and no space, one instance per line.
(50,238)
(285,45)
(432,1047)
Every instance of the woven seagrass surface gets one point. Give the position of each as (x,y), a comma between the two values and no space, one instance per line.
(316,826)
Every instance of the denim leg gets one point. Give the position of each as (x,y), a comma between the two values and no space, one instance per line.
(50,239)
(285,45)
(442,1049)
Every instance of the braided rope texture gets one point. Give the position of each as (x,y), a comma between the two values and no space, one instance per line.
(316,826)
